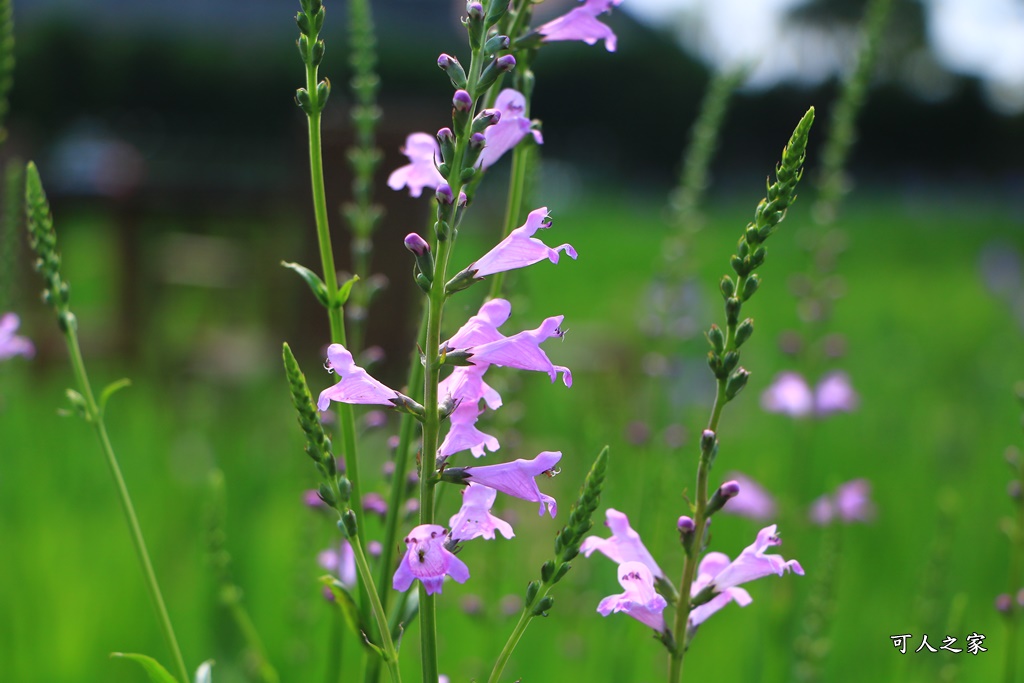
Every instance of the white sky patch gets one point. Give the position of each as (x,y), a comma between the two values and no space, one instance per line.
(982,38)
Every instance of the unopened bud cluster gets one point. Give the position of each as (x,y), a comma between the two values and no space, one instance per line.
(43,240)
(724,356)
(310,20)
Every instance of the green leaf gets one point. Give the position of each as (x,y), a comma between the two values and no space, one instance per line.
(112,389)
(316,285)
(157,673)
(347,604)
(345,291)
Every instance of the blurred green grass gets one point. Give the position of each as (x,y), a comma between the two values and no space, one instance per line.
(932,353)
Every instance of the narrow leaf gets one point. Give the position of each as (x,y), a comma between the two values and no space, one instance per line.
(157,673)
(345,291)
(316,285)
(112,389)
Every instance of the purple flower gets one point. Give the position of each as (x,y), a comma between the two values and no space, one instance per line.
(624,545)
(753,563)
(482,327)
(340,561)
(421,171)
(10,344)
(428,560)
(464,435)
(639,600)
(712,564)
(355,385)
(474,518)
(790,394)
(520,248)
(516,478)
(522,351)
(511,127)
(834,393)
(466,384)
(753,501)
(580,23)
(851,502)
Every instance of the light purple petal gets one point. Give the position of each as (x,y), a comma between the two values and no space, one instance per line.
(516,478)
(521,248)
(834,393)
(463,434)
(788,394)
(355,385)
(753,563)
(428,560)
(639,600)
(623,546)
(522,350)
(580,23)
(510,128)
(466,384)
(474,519)
(422,150)
(10,344)
(752,501)
(482,327)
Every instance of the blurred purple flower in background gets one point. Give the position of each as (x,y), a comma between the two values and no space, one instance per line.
(851,502)
(340,561)
(790,394)
(753,500)
(10,344)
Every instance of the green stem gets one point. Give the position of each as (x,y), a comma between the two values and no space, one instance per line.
(699,519)
(252,639)
(95,417)
(1016,575)
(513,640)
(390,654)
(346,417)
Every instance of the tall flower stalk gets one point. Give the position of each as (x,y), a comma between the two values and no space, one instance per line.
(43,240)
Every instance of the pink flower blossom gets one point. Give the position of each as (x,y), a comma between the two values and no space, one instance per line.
(10,344)
(474,518)
(482,327)
(520,248)
(355,385)
(639,600)
(522,351)
(463,434)
(851,502)
(511,127)
(466,384)
(516,478)
(752,501)
(423,153)
(712,564)
(428,560)
(834,394)
(623,546)
(340,561)
(580,23)
(753,563)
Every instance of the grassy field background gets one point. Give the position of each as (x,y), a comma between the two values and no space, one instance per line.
(933,354)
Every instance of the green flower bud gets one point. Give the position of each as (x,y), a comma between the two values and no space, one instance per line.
(734,385)
(743,331)
(716,338)
(727,286)
(531,592)
(547,570)
(750,286)
(541,610)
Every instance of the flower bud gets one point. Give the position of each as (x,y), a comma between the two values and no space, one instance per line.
(451,66)
(743,332)
(541,610)
(734,385)
(686,527)
(477,142)
(708,443)
(461,101)
(732,310)
(531,592)
(751,285)
(727,286)
(416,244)
(486,118)
(444,195)
(720,497)
(716,338)
(496,44)
(475,11)
(499,66)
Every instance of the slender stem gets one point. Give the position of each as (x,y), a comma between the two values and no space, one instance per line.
(334,647)
(152,586)
(390,654)
(699,519)
(1016,574)
(252,638)
(513,640)
(346,417)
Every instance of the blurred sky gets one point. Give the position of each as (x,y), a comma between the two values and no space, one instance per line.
(981,38)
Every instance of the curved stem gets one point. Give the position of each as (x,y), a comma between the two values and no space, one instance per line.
(517,633)
(390,655)
(138,541)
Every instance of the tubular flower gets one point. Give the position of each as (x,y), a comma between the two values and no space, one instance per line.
(520,248)
(474,518)
(753,563)
(355,385)
(423,151)
(428,560)
(623,546)
(511,127)
(464,435)
(516,478)
(466,384)
(522,351)
(639,600)
(581,23)
(709,566)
